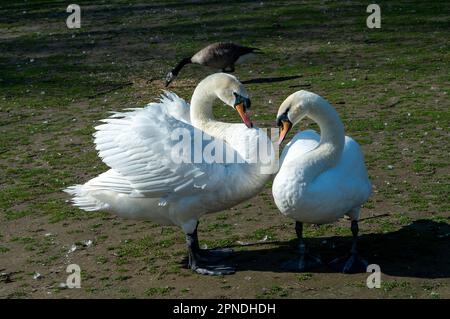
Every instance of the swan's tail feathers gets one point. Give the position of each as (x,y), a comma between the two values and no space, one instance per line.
(100,192)
(82,198)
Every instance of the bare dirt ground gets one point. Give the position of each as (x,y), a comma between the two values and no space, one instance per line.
(389,85)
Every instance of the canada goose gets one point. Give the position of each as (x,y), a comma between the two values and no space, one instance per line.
(220,55)
(147,180)
(322,177)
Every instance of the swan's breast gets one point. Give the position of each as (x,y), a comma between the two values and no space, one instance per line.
(288,188)
(329,195)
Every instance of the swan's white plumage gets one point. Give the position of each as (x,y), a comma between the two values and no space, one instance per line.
(301,143)
(334,192)
(138,145)
(330,195)
(144,181)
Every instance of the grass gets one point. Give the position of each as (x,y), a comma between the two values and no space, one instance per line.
(388,286)
(304,276)
(3,249)
(388,86)
(273,292)
(158,291)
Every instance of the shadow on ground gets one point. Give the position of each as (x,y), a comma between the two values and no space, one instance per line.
(395,252)
(271,79)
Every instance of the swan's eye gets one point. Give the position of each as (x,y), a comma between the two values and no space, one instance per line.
(282,117)
(239,99)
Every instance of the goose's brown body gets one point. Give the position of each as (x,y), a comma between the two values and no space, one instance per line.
(220,55)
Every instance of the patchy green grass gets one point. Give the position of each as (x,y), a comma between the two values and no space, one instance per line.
(304,276)
(273,292)
(390,87)
(158,291)
(388,286)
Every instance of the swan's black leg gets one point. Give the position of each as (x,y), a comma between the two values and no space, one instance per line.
(305,260)
(200,262)
(210,255)
(351,263)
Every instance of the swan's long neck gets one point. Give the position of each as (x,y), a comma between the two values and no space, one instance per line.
(246,179)
(201,110)
(332,140)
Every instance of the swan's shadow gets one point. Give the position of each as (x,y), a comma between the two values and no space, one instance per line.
(421,249)
(271,79)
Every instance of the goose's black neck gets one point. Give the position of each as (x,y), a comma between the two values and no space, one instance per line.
(180,65)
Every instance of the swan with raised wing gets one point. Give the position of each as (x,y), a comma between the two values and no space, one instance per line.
(158,176)
(321,178)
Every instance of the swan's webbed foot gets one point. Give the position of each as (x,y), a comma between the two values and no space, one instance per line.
(352,263)
(213,270)
(305,260)
(206,261)
(214,255)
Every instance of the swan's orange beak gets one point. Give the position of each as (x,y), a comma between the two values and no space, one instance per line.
(244,116)
(285,127)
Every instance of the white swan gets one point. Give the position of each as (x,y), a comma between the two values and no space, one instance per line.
(147,180)
(322,177)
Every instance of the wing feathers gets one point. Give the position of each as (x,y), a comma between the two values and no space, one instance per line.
(137,145)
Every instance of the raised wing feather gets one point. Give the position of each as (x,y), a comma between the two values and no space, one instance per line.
(140,144)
